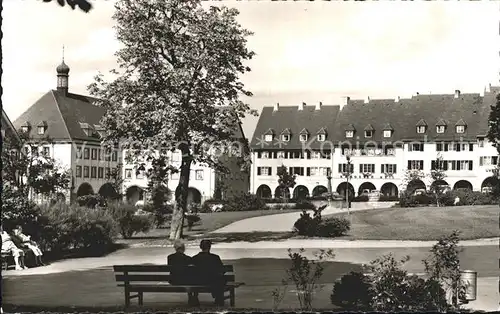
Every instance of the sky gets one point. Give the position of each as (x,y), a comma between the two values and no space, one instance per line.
(305,51)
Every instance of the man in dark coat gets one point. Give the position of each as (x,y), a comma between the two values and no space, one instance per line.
(211,271)
(180,274)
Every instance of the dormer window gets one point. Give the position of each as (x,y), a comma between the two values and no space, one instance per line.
(87,129)
(368,133)
(480,141)
(421,129)
(460,128)
(349,134)
(387,133)
(285,137)
(25,128)
(303,137)
(440,129)
(268,137)
(369,130)
(321,137)
(41,128)
(388,130)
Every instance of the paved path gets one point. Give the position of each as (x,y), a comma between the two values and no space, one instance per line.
(284,222)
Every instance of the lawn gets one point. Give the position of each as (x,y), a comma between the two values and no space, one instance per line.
(209,222)
(424,223)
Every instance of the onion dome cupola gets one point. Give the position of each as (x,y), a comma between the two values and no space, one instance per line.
(62,76)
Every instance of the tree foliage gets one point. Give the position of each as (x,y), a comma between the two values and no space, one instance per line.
(437,174)
(84,5)
(178,86)
(286,181)
(494,124)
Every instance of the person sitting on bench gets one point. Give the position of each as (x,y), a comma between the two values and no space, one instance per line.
(178,274)
(30,244)
(211,271)
(9,247)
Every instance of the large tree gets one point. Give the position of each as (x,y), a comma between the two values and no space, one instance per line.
(494,124)
(178,85)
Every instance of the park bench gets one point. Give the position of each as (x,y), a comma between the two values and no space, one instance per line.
(7,257)
(155,278)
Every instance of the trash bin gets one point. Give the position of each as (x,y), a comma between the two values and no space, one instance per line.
(468,278)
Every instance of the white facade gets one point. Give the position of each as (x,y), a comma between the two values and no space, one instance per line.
(480,156)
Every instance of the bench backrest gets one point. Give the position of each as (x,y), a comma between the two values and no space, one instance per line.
(158,273)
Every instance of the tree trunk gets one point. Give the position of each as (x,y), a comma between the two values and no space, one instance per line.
(177,222)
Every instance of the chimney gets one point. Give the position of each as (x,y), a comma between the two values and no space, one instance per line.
(345,100)
(318,106)
(397,99)
(367,99)
(301,106)
(457,93)
(276,107)
(488,88)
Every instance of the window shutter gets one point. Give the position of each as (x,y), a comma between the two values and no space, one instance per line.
(258,171)
(308,153)
(301,171)
(494,160)
(458,147)
(394,168)
(259,155)
(439,147)
(373,167)
(409,164)
(410,148)
(480,161)
(453,165)
(340,168)
(445,166)
(470,164)
(433,165)
(270,171)
(471,147)
(382,168)
(360,168)
(421,165)
(308,171)
(446,147)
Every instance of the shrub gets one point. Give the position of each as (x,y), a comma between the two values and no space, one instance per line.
(303,204)
(388,198)
(161,213)
(406,199)
(66,227)
(333,227)
(191,220)
(361,198)
(91,201)
(17,209)
(352,292)
(128,222)
(244,202)
(425,199)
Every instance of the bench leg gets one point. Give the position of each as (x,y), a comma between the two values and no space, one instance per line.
(141,296)
(127,299)
(231,297)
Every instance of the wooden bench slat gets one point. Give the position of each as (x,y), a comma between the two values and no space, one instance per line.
(134,277)
(163,284)
(155,268)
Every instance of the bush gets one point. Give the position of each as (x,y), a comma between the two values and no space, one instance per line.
(406,199)
(128,222)
(388,198)
(425,199)
(191,220)
(333,227)
(306,225)
(244,202)
(303,204)
(65,227)
(17,209)
(91,201)
(161,213)
(352,292)
(361,198)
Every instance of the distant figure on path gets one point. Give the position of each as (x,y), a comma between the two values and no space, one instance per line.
(211,271)
(180,273)
(457,200)
(30,244)
(9,247)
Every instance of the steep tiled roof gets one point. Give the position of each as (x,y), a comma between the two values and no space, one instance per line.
(290,117)
(8,128)
(405,114)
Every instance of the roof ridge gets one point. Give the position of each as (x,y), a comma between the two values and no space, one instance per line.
(62,116)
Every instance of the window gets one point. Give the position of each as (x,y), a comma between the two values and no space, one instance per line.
(440,129)
(312,171)
(46,151)
(388,168)
(107,172)
(316,155)
(114,156)
(268,138)
(299,171)
(442,166)
(364,168)
(128,173)
(343,168)
(349,134)
(321,137)
(285,137)
(264,171)
(41,130)
(25,129)
(86,171)
(303,137)
(265,155)
(480,141)
(139,174)
(100,172)
(421,129)
(86,153)
(387,133)
(460,128)
(324,171)
(78,171)
(415,165)
(471,147)
(99,152)
(94,153)
(416,147)
(107,154)
(93,172)
(199,174)
(368,133)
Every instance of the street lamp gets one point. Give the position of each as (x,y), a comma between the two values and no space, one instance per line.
(348,157)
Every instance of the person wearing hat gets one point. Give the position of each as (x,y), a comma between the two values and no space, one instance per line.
(179,273)
(211,271)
